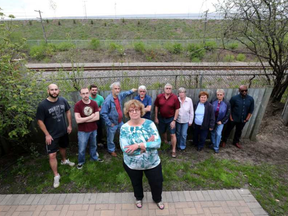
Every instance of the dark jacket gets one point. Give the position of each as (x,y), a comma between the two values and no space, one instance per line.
(224,111)
(209,116)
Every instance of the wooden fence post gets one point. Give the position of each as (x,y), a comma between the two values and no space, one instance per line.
(285,114)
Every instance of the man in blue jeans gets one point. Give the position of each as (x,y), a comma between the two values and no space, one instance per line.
(86,114)
(112,114)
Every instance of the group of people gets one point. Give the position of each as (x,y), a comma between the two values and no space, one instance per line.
(139,136)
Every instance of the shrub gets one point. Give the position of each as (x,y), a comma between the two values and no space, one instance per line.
(232,46)
(95,43)
(196,51)
(65,46)
(30,22)
(74,21)
(59,23)
(177,48)
(210,45)
(91,22)
(240,57)
(117,47)
(229,58)
(139,47)
(38,52)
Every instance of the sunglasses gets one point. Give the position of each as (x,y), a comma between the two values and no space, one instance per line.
(244,90)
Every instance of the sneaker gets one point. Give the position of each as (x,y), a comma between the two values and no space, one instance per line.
(67,162)
(100,160)
(56,181)
(79,166)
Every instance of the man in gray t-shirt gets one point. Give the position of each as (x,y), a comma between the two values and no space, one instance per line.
(51,120)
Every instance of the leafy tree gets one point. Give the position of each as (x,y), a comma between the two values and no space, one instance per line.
(262,27)
(19,90)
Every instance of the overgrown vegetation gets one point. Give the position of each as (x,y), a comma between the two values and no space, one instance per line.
(19,92)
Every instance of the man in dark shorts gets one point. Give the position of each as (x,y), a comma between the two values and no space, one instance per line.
(167,107)
(51,120)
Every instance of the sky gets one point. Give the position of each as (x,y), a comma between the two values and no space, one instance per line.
(82,8)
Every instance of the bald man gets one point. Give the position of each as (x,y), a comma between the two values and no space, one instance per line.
(242,106)
(51,120)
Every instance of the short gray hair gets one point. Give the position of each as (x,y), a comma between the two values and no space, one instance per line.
(115,83)
(142,87)
(181,89)
(220,91)
(168,84)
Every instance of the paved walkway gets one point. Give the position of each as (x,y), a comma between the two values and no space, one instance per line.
(212,202)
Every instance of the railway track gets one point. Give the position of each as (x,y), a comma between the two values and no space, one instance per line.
(150,68)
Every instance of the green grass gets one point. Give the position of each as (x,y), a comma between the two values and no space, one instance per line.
(266,182)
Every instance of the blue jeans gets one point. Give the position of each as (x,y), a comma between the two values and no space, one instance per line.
(216,135)
(83,139)
(181,133)
(111,131)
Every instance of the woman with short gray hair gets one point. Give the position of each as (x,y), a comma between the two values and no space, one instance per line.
(222,110)
(184,119)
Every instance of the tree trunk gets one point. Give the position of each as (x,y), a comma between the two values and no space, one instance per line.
(279,89)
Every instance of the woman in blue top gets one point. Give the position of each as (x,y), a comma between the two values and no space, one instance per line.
(203,121)
(139,141)
(222,111)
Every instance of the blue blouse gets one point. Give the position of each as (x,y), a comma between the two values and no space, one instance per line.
(130,135)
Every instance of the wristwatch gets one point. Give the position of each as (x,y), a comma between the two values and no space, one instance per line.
(139,145)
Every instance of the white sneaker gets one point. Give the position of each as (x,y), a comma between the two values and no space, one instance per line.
(56,181)
(67,162)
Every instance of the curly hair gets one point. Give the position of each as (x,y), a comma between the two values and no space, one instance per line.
(133,104)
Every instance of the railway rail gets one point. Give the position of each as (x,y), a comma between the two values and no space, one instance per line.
(150,68)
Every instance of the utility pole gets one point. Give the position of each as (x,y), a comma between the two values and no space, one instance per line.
(205,25)
(44,33)
(85,11)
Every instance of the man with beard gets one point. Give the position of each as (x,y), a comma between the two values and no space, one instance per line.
(242,106)
(112,113)
(51,120)
(99,100)
(86,114)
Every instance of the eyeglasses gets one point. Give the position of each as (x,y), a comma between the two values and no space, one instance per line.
(142,91)
(168,88)
(219,94)
(244,90)
(134,111)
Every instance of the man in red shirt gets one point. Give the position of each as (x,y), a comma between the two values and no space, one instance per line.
(86,114)
(111,112)
(167,107)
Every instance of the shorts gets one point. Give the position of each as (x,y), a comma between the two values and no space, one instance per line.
(61,142)
(164,124)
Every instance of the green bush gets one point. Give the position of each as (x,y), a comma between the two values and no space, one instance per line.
(95,43)
(240,57)
(116,47)
(139,47)
(210,45)
(177,48)
(196,51)
(65,46)
(232,46)
(38,52)
(229,58)
(41,52)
